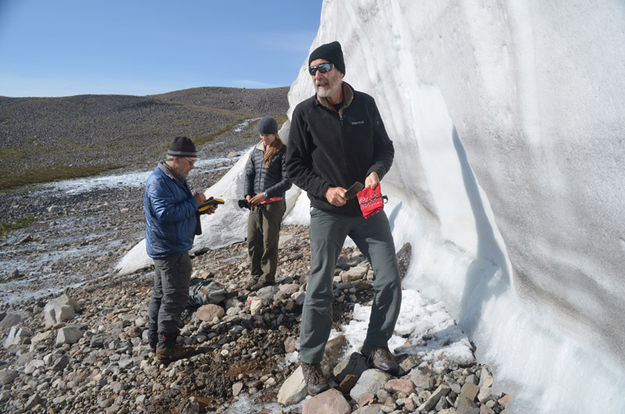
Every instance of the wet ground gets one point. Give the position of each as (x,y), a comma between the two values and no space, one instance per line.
(79,229)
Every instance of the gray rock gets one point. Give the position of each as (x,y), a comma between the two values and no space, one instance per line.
(256,306)
(209,312)
(486,385)
(330,401)
(25,358)
(59,310)
(98,341)
(40,337)
(18,335)
(469,390)
(60,363)
(34,365)
(290,344)
(421,380)
(236,388)
(466,406)
(266,294)
(370,381)
(68,335)
(408,363)
(355,273)
(441,391)
(32,402)
(7,375)
(285,291)
(371,409)
(125,361)
(12,319)
(293,390)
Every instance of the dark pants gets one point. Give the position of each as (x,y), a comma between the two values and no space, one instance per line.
(169,298)
(263,233)
(374,239)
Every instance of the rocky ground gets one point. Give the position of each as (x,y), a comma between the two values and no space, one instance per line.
(94,357)
(76,236)
(85,350)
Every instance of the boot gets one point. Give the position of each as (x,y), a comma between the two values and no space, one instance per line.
(260,283)
(167,354)
(380,358)
(315,381)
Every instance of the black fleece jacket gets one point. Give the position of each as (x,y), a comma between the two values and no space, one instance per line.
(329,148)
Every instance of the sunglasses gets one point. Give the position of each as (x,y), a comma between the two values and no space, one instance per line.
(322,67)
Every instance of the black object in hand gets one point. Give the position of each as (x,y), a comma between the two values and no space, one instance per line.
(243,203)
(353,190)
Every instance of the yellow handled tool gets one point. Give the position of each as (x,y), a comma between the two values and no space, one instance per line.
(209,203)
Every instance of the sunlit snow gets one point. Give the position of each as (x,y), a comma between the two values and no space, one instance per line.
(508,180)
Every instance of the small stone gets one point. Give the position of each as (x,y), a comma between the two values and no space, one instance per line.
(504,400)
(366,399)
(400,385)
(236,388)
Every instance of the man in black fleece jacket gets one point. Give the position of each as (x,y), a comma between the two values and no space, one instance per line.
(337,137)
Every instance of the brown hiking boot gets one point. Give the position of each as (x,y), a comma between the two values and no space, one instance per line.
(261,283)
(315,381)
(380,358)
(165,355)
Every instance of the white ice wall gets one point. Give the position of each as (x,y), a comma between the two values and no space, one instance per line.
(508,126)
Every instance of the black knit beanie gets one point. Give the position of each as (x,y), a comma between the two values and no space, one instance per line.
(182,147)
(268,125)
(332,53)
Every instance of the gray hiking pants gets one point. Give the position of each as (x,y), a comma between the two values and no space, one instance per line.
(263,233)
(169,298)
(374,239)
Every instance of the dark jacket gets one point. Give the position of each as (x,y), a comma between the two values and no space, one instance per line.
(170,214)
(272,180)
(330,148)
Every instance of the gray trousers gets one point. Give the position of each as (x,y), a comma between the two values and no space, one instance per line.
(374,239)
(263,233)
(169,298)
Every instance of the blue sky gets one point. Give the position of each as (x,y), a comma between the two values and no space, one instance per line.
(139,47)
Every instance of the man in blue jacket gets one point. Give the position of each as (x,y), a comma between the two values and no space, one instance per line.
(337,137)
(171,222)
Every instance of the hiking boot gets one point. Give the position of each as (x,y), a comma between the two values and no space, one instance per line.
(165,355)
(261,283)
(380,358)
(256,285)
(315,381)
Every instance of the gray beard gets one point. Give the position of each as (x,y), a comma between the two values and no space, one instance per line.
(326,93)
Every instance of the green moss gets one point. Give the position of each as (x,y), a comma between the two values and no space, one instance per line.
(207,138)
(13,179)
(281,119)
(9,226)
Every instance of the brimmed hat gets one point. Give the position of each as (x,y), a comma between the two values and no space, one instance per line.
(182,147)
(268,125)
(331,52)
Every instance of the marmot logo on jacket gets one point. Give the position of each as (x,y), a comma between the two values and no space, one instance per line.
(358,122)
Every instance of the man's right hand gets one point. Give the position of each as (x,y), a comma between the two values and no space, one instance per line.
(336,196)
(199,198)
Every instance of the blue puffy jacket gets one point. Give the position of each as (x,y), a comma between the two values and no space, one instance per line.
(170,215)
